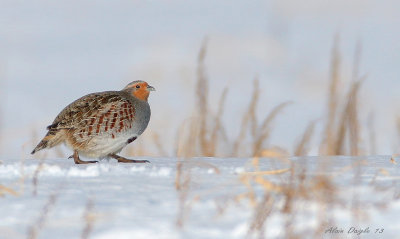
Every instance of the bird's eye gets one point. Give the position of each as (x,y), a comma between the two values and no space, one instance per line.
(137,86)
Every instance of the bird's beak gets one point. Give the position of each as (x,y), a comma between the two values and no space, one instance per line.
(150,88)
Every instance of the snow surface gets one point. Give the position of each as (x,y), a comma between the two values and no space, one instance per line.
(141,200)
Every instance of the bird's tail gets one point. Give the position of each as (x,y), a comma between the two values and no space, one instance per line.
(51,139)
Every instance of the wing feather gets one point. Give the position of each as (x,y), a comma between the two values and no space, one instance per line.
(94,114)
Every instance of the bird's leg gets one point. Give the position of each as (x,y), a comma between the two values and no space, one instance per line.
(125,160)
(77,160)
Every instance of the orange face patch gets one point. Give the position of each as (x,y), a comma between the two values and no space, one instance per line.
(141,91)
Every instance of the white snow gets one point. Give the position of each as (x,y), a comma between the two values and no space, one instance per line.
(142,201)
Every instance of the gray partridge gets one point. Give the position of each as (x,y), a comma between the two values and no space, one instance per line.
(100,125)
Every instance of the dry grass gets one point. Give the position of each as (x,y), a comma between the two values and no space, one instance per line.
(249,120)
(201,135)
(183,174)
(348,125)
(341,134)
(208,129)
(161,150)
(371,134)
(183,179)
(17,188)
(34,230)
(262,212)
(285,191)
(264,130)
(342,124)
(202,102)
(392,160)
(35,177)
(329,139)
(297,186)
(6,190)
(89,218)
(259,133)
(302,147)
(182,184)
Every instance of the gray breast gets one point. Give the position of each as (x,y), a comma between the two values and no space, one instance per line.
(142,115)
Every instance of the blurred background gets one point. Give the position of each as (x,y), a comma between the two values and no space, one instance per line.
(53,52)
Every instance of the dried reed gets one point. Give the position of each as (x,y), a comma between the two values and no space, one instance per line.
(202,100)
(259,133)
(301,149)
(297,186)
(183,177)
(392,160)
(353,121)
(338,126)
(187,133)
(189,144)
(249,119)
(158,144)
(328,143)
(261,213)
(89,218)
(38,169)
(35,229)
(264,131)
(371,133)
(6,190)
(349,124)
(210,129)
(183,187)
(218,126)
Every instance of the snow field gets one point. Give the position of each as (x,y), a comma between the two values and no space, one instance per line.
(206,198)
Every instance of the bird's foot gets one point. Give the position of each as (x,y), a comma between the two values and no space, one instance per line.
(125,160)
(77,160)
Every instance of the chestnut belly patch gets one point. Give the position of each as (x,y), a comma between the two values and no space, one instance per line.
(130,140)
